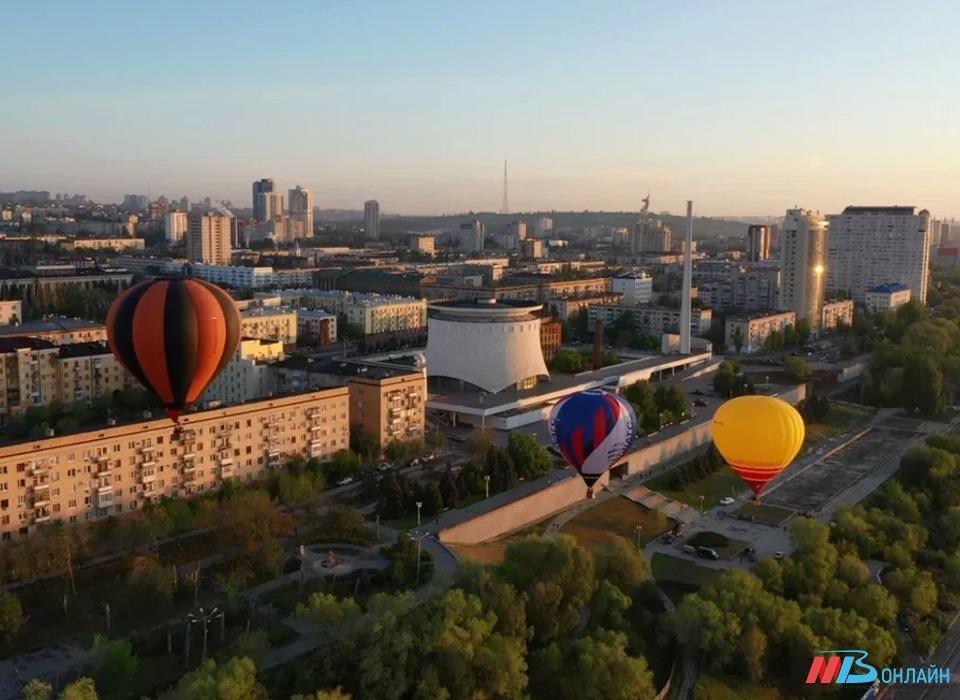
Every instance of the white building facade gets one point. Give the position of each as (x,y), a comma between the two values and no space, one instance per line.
(803,240)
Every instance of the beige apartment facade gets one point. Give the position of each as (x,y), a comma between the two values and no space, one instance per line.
(247,377)
(208,238)
(93,475)
(11,312)
(270,323)
(59,330)
(753,331)
(837,314)
(389,408)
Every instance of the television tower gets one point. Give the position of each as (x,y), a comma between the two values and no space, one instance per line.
(505,207)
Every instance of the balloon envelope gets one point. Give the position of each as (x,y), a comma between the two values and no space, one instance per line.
(593,429)
(175,336)
(758,436)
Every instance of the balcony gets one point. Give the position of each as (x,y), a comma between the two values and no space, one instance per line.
(188,467)
(189,455)
(41,499)
(149,463)
(104,497)
(145,450)
(40,517)
(226,461)
(188,476)
(226,471)
(148,477)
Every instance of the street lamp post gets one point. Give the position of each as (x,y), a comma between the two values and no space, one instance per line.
(486,484)
(701,504)
(661,421)
(419,506)
(205,618)
(639,528)
(766,384)
(419,539)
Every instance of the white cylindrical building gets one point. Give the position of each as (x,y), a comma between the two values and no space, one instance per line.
(485,344)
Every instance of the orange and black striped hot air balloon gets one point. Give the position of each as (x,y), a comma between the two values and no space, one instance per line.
(175,336)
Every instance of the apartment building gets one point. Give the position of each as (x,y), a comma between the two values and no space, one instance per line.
(636,288)
(655,320)
(316,327)
(374,313)
(886,297)
(571,306)
(247,377)
(748,289)
(58,330)
(871,246)
(551,338)
(803,255)
(92,475)
(427,245)
(91,243)
(209,238)
(837,314)
(387,404)
(35,372)
(753,331)
(270,323)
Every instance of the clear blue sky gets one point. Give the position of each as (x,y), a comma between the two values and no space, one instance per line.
(747,107)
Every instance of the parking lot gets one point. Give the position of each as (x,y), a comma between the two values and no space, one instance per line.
(819,483)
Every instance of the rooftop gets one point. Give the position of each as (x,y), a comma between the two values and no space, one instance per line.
(487,304)
(84,349)
(888,211)
(889,288)
(13,344)
(51,324)
(338,369)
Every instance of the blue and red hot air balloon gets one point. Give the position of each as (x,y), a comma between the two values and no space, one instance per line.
(593,430)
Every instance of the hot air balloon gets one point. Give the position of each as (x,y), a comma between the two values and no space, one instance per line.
(593,429)
(758,436)
(174,336)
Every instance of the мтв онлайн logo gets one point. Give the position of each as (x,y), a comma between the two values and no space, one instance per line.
(837,666)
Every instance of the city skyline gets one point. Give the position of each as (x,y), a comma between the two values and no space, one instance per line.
(688,103)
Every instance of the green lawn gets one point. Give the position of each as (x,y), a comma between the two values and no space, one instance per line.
(839,420)
(617,517)
(493,552)
(722,482)
(723,687)
(769,515)
(726,547)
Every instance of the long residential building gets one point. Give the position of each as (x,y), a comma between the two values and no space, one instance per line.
(96,474)
(270,323)
(36,372)
(747,334)
(374,313)
(655,320)
(385,403)
(750,289)
(59,330)
(886,297)
(247,377)
(871,246)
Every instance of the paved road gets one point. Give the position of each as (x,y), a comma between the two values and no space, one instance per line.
(946,656)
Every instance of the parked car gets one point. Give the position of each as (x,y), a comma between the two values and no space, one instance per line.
(689,549)
(344,481)
(384,466)
(707,553)
(699,402)
(779,555)
(727,501)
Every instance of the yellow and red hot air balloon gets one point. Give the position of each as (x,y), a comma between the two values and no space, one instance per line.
(175,336)
(759,436)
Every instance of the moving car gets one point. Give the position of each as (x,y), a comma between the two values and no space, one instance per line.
(344,481)
(707,553)
(779,555)
(726,501)
(699,402)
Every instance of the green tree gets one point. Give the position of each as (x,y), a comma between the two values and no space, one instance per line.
(335,694)
(798,367)
(234,679)
(803,330)
(622,564)
(114,665)
(436,439)
(364,444)
(345,463)
(12,618)
(773,342)
(396,451)
(81,689)
(328,610)
(432,499)
(557,576)
(250,526)
(738,339)
(922,385)
(568,362)
(530,459)
(150,587)
(37,690)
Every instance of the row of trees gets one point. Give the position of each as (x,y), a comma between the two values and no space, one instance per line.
(657,408)
(574,361)
(497,468)
(730,381)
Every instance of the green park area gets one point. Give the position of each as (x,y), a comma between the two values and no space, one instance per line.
(495,551)
(615,518)
(768,515)
(713,487)
(840,419)
(726,547)
(722,686)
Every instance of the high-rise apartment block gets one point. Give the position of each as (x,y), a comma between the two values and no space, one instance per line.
(758,242)
(470,236)
(516,228)
(542,226)
(209,237)
(371,220)
(650,235)
(871,246)
(636,288)
(300,202)
(261,187)
(175,226)
(803,253)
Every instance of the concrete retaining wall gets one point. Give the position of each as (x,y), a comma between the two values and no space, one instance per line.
(520,513)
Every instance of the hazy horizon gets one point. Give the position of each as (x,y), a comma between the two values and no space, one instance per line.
(748,106)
